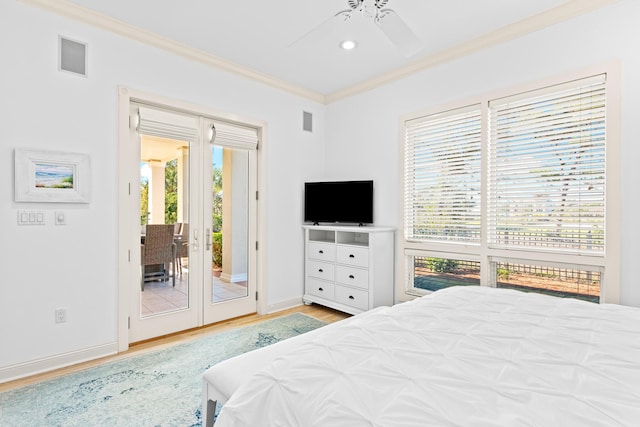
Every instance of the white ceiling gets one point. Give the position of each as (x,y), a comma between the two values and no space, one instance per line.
(255,34)
(156,149)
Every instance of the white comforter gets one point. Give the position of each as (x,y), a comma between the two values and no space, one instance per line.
(469,356)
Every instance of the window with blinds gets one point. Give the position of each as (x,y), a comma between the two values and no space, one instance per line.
(547,169)
(442,176)
(517,191)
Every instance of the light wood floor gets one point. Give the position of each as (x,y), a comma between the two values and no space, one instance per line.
(319,312)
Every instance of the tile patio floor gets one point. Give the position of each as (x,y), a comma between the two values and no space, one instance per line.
(159,297)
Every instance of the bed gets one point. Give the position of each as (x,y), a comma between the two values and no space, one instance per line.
(462,356)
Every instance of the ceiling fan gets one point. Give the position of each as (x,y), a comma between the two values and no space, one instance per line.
(396,30)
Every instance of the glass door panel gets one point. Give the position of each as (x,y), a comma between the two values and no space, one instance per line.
(164,200)
(229,223)
(230,286)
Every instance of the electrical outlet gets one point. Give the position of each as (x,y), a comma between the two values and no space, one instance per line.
(61,315)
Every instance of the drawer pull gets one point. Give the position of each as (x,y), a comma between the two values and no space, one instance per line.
(320,252)
(320,270)
(352,256)
(351,276)
(351,297)
(320,289)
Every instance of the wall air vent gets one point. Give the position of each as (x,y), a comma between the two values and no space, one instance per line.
(307,121)
(72,56)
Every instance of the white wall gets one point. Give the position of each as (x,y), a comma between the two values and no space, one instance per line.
(362,133)
(74,266)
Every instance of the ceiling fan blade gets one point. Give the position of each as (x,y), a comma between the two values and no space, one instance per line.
(399,32)
(320,29)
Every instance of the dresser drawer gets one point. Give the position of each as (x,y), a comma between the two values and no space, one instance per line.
(351,276)
(320,288)
(321,270)
(353,297)
(353,255)
(321,251)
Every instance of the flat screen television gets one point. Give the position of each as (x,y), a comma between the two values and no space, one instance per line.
(339,201)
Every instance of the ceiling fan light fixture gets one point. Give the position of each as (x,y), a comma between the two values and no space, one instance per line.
(387,20)
(348,45)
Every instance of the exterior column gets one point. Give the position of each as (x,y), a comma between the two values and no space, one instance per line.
(234,215)
(156,193)
(183,184)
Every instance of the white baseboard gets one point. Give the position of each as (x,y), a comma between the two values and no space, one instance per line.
(283,305)
(233,278)
(21,370)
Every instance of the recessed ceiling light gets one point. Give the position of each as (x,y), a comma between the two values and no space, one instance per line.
(348,44)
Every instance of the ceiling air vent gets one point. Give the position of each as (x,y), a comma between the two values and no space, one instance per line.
(72,56)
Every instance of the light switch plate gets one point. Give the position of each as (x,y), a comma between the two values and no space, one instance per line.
(61,218)
(31,217)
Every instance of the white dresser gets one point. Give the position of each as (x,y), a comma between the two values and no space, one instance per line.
(349,268)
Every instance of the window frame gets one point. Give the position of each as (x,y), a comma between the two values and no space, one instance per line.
(608,261)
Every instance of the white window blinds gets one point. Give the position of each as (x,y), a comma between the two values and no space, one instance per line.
(442,176)
(547,169)
(165,124)
(184,127)
(232,135)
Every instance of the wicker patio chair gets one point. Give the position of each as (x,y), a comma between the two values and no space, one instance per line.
(158,249)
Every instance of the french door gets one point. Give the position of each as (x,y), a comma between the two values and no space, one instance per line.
(230,221)
(196,176)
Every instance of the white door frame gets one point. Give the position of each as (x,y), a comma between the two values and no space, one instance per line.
(128,273)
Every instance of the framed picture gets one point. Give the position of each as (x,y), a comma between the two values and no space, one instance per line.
(51,176)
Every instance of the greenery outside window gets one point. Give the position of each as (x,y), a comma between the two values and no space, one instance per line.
(432,273)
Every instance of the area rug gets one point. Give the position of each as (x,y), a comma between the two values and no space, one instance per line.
(162,388)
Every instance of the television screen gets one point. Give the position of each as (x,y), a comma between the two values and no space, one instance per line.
(339,201)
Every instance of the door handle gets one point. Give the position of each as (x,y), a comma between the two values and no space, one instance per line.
(195,239)
(208,238)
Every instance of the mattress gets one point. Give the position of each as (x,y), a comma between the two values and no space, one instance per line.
(463,356)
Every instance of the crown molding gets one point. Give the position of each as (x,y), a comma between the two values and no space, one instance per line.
(73,11)
(568,10)
(534,23)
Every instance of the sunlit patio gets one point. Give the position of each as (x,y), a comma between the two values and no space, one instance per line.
(161,297)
